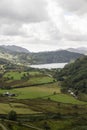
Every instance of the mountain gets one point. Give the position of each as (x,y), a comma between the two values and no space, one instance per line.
(74,76)
(19,55)
(81,50)
(54,57)
(13,48)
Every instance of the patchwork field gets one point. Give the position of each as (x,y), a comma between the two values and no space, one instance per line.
(38,100)
(48,91)
(24,79)
(20,108)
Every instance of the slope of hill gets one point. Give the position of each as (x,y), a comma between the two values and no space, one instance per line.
(54,57)
(13,48)
(81,50)
(21,55)
(74,76)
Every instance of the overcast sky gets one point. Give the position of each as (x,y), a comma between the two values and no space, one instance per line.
(43,25)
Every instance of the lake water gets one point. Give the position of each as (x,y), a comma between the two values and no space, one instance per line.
(49,66)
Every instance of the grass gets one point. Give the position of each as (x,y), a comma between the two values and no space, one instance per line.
(35,81)
(64,98)
(34,73)
(15,75)
(64,124)
(16,79)
(45,92)
(34,92)
(56,124)
(83,97)
(16,127)
(18,107)
(40,80)
(42,91)
(51,91)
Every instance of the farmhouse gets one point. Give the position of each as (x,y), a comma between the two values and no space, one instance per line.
(72,93)
(7,94)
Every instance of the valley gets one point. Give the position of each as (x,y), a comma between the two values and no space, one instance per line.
(38,99)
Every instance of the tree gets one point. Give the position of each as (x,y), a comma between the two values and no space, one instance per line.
(12,115)
(46,126)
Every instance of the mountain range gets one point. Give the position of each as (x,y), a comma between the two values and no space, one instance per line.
(81,50)
(13,48)
(20,55)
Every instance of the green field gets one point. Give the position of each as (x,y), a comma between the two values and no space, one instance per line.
(51,91)
(41,95)
(15,75)
(18,107)
(75,123)
(34,92)
(25,79)
(39,101)
(64,98)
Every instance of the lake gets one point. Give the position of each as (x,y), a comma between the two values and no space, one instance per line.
(49,66)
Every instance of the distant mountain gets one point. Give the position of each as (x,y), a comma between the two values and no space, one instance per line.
(13,48)
(54,57)
(81,50)
(19,55)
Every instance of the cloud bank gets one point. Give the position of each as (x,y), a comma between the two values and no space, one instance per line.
(40,25)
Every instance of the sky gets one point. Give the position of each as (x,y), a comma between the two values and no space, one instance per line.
(43,25)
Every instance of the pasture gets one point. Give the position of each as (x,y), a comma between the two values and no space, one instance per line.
(65,98)
(17,75)
(39,86)
(18,107)
(38,99)
(47,91)
(25,79)
(34,92)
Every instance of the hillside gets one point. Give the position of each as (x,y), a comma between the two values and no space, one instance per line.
(19,55)
(37,101)
(74,76)
(81,50)
(13,48)
(54,57)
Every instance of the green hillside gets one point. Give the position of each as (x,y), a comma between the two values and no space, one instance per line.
(19,55)
(74,76)
(54,57)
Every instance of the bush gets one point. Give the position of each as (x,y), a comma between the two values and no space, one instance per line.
(12,115)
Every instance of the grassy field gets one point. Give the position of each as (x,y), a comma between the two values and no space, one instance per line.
(65,98)
(38,99)
(45,92)
(34,81)
(18,107)
(75,123)
(15,75)
(18,74)
(34,92)
(48,91)
(22,79)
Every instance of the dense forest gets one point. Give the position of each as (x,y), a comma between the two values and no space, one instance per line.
(74,76)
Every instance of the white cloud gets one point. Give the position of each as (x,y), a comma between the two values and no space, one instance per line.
(75,6)
(43,24)
(23,10)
